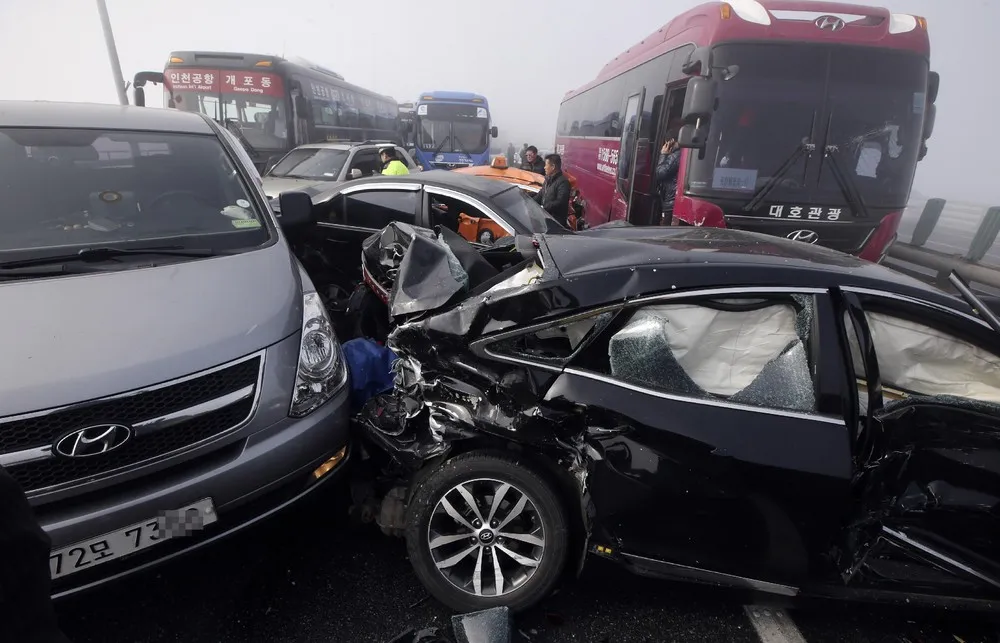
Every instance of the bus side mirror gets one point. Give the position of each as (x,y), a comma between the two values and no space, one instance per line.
(930,114)
(698,63)
(693,137)
(699,100)
(140,97)
(494,132)
(933,84)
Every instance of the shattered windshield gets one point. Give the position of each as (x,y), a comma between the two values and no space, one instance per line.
(66,188)
(867,105)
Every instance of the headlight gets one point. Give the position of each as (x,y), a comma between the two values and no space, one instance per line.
(321,372)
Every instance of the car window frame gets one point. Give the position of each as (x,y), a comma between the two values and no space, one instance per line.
(936,312)
(372,187)
(823,378)
(470,200)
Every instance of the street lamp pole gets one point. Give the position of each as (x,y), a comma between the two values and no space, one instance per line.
(109,40)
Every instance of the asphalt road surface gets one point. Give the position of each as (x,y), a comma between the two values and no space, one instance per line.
(307,575)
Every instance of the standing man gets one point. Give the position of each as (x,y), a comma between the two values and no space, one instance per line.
(531,162)
(391,165)
(510,154)
(666,179)
(554,195)
(26,613)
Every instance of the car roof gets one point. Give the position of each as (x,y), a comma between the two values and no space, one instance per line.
(758,255)
(345,145)
(49,114)
(475,185)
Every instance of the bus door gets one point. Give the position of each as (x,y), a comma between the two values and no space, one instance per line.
(627,150)
(667,111)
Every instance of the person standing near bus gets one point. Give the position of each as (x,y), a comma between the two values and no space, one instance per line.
(666,179)
(554,195)
(391,165)
(26,612)
(531,162)
(510,154)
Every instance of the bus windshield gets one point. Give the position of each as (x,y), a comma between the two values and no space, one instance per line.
(253,100)
(450,127)
(863,107)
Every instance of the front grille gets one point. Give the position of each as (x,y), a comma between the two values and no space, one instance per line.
(184,412)
(845,237)
(43,429)
(449,166)
(54,471)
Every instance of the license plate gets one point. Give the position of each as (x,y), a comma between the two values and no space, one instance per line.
(807,213)
(128,540)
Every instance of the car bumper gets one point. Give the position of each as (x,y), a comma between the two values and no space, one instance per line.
(247,481)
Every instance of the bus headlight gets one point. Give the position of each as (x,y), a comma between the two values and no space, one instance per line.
(321,371)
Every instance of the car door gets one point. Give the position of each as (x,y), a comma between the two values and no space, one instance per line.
(724,451)
(355,213)
(469,217)
(928,445)
(366,162)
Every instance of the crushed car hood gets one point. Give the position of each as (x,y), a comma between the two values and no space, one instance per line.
(69,339)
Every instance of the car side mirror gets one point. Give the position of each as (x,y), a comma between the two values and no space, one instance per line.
(355,173)
(494,132)
(296,210)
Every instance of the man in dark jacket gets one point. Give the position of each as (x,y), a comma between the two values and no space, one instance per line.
(26,612)
(531,162)
(666,179)
(510,154)
(554,195)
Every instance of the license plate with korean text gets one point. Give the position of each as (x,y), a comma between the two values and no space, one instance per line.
(128,540)
(807,213)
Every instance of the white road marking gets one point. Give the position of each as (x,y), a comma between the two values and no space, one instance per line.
(773,625)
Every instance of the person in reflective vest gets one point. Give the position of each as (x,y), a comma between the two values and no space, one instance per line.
(391,165)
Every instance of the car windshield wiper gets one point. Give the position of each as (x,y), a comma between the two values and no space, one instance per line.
(93,255)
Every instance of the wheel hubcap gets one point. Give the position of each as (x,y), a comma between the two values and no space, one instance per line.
(486,537)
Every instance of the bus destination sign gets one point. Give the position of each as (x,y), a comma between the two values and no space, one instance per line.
(224,80)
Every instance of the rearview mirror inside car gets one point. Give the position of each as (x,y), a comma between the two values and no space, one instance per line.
(296,209)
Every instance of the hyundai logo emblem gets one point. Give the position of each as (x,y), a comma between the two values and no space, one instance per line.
(829,23)
(805,236)
(93,440)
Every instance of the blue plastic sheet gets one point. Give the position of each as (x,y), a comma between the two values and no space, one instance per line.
(370,368)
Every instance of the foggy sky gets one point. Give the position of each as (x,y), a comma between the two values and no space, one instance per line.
(523,55)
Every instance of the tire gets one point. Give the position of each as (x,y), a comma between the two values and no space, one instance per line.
(542,518)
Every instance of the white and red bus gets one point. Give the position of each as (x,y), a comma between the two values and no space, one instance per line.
(799,119)
(275,104)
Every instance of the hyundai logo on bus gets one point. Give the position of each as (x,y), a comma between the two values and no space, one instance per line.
(805,236)
(829,23)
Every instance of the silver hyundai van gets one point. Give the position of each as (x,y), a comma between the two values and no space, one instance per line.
(168,373)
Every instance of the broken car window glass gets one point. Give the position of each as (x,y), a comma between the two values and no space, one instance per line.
(916,359)
(557,342)
(744,350)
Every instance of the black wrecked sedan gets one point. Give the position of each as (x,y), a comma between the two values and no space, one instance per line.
(695,404)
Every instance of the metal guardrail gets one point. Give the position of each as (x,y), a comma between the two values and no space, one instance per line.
(938,236)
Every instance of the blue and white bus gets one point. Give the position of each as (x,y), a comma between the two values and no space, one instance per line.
(450,130)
